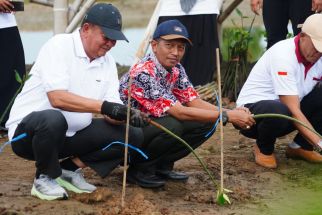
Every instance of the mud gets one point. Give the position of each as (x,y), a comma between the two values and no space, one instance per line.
(294,186)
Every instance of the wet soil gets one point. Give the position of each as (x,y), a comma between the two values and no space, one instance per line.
(293,188)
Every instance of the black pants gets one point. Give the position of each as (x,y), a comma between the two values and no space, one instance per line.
(199,60)
(163,150)
(11,58)
(277,13)
(46,143)
(268,129)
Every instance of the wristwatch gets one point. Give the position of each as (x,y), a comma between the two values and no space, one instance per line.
(320,144)
(224,117)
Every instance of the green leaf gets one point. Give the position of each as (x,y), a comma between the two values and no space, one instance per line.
(220,198)
(234,23)
(227,191)
(239,12)
(18,78)
(226,198)
(26,77)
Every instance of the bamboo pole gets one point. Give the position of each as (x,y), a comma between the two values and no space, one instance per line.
(139,54)
(223,16)
(221,124)
(148,33)
(79,16)
(73,9)
(60,16)
(43,2)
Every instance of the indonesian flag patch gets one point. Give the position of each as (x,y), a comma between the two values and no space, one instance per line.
(282,73)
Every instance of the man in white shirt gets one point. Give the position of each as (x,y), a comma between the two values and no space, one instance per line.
(74,76)
(287,80)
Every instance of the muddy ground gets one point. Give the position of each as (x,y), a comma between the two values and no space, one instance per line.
(294,187)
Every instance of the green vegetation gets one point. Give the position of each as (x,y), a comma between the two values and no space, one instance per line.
(21,81)
(240,46)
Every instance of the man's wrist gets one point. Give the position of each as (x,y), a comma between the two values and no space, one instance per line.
(224,117)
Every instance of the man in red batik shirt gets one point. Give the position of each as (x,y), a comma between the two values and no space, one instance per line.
(162,89)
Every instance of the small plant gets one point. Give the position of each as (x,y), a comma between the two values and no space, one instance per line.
(222,196)
(222,193)
(21,81)
(237,70)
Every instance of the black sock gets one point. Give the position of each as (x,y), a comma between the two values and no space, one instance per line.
(68,164)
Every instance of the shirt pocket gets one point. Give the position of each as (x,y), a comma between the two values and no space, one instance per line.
(94,88)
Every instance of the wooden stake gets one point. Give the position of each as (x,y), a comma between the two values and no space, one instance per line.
(73,9)
(139,54)
(221,123)
(79,16)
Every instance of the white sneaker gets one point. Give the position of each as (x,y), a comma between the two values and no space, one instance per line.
(74,181)
(47,188)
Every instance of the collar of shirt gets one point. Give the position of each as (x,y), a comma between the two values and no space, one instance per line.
(300,58)
(79,48)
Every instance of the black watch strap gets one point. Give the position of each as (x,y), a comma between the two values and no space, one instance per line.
(224,117)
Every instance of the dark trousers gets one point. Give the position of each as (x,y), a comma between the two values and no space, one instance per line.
(163,150)
(267,130)
(277,13)
(199,60)
(46,143)
(11,58)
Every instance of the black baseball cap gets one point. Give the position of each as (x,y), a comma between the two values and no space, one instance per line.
(108,18)
(170,30)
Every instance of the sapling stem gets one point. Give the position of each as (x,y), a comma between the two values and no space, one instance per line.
(275,115)
(189,147)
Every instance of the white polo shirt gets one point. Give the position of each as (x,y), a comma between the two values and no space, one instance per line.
(7,20)
(278,72)
(62,64)
(173,7)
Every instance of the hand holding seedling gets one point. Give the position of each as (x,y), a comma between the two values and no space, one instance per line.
(241,118)
(119,112)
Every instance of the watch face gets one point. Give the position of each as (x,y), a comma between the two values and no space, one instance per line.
(224,117)
(320,144)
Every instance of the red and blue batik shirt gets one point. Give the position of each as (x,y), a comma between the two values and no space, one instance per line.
(154,89)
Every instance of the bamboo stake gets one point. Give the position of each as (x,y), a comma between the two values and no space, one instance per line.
(43,2)
(228,11)
(73,9)
(148,33)
(79,16)
(221,124)
(139,54)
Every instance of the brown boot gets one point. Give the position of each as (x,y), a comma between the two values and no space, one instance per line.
(299,153)
(268,161)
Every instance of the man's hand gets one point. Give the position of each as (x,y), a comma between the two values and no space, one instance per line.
(256,5)
(139,119)
(317,6)
(114,110)
(119,112)
(245,109)
(241,118)
(5,6)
